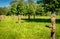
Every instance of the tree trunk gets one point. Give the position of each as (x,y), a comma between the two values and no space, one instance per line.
(34,16)
(19,18)
(28,16)
(53,26)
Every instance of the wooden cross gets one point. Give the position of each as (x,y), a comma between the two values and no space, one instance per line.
(53,26)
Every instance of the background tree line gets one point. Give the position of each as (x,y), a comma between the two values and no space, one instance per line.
(30,7)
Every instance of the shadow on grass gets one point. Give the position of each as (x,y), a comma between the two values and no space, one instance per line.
(41,20)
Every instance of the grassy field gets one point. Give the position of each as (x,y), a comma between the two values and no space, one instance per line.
(33,29)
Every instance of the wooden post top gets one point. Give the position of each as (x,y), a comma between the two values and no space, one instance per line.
(53,15)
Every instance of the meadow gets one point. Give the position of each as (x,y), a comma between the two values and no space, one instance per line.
(28,29)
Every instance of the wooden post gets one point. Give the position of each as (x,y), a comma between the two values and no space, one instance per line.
(1,17)
(19,18)
(53,26)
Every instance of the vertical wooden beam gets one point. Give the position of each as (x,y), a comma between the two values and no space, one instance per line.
(19,18)
(53,17)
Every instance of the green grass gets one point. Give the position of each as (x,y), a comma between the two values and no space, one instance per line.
(33,29)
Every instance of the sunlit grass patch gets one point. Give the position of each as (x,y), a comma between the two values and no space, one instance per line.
(10,29)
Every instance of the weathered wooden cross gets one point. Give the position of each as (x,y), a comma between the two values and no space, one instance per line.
(53,17)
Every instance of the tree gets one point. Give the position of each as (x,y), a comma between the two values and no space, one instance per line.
(34,8)
(3,12)
(52,5)
(40,9)
(20,9)
(30,8)
(13,9)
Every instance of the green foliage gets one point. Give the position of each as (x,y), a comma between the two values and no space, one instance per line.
(52,4)
(30,9)
(13,8)
(3,11)
(20,8)
(40,9)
